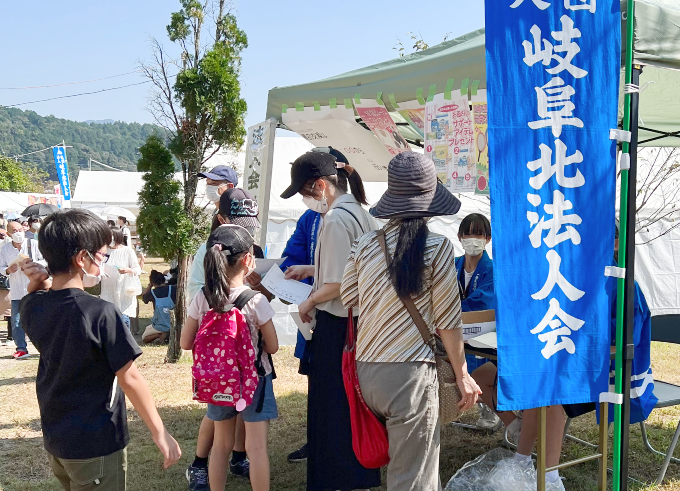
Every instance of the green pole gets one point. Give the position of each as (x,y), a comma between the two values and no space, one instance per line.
(623,238)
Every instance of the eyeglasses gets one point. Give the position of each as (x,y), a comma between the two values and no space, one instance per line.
(105,258)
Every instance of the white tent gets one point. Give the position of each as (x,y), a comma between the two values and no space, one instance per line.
(656,269)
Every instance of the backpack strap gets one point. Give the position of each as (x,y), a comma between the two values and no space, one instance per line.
(244,298)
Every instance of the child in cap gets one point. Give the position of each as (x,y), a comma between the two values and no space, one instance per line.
(86,359)
(228,260)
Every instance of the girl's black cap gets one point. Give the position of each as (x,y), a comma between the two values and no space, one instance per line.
(230,239)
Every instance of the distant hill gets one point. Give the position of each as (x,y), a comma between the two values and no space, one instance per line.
(99,121)
(113,143)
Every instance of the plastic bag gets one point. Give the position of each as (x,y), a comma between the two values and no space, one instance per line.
(132,286)
(497,470)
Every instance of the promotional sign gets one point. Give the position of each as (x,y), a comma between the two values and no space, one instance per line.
(480,122)
(257,171)
(62,171)
(552,70)
(338,128)
(379,120)
(449,141)
(414,113)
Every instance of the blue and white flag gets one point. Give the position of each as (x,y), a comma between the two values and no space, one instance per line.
(62,171)
(552,69)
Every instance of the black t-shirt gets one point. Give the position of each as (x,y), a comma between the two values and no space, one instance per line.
(82,342)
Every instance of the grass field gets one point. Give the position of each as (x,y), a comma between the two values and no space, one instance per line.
(25,468)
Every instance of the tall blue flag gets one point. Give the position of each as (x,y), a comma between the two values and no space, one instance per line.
(553,70)
(62,171)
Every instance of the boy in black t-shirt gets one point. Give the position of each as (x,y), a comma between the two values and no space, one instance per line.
(86,359)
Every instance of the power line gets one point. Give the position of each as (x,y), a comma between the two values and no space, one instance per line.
(76,95)
(70,83)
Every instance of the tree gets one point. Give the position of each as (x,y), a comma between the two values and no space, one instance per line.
(202,110)
(419,44)
(14,177)
(163,228)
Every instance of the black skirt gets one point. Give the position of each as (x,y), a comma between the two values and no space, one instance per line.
(331,463)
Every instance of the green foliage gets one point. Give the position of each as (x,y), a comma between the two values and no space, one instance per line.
(13,178)
(114,144)
(162,225)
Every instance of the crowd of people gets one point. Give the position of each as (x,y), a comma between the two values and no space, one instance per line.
(356,268)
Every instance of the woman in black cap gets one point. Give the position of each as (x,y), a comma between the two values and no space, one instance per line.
(396,368)
(323,179)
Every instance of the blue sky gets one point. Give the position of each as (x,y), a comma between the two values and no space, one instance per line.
(290,42)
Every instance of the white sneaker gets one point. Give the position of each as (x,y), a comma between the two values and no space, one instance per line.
(488,420)
(514,430)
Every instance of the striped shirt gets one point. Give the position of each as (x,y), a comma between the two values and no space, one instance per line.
(386,332)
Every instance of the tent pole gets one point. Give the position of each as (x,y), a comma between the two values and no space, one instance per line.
(620,424)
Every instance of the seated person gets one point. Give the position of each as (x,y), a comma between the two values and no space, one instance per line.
(163,298)
(475,282)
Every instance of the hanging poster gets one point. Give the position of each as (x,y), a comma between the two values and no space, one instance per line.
(376,117)
(338,128)
(480,124)
(553,69)
(257,171)
(414,113)
(448,123)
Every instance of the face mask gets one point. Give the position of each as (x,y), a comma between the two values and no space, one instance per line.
(211,192)
(251,269)
(473,247)
(112,244)
(18,237)
(90,280)
(35,226)
(315,205)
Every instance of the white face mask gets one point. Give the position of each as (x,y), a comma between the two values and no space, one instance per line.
(112,244)
(315,205)
(90,280)
(212,193)
(473,247)
(18,237)
(35,225)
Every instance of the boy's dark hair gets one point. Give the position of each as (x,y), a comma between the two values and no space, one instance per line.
(111,223)
(33,218)
(117,234)
(156,278)
(475,224)
(65,233)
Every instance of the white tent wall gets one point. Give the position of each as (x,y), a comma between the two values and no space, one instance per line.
(656,270)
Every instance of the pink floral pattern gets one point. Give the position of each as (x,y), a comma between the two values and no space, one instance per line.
(224,360)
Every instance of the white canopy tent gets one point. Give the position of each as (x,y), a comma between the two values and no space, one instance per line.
(658,271)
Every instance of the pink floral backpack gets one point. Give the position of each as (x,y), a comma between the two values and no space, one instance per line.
(224,371)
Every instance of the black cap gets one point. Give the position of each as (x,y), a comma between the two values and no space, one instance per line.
(230,239)
(221,173)
(311,165)
(340,157)
(240,207)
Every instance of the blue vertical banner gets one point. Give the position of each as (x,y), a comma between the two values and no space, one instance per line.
(62,171)
(552,69)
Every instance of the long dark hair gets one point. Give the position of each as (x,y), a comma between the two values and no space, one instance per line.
(219,268)
(408,264)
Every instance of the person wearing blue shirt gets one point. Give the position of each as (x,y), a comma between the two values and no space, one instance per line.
(475,281)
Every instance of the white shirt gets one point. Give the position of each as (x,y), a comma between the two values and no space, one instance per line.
(18,281)
(126,233)
(468,277)
(197,273)
(112,286)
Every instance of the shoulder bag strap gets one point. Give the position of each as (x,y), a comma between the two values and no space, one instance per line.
(30,249)
(408,301)
(353,216)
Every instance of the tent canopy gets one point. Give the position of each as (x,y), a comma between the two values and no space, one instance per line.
(657,44)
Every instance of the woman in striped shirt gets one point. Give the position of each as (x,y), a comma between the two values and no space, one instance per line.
(396,368)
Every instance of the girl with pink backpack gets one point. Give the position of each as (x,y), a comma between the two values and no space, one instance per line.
(230,331)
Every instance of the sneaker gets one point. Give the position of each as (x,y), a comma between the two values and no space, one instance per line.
(514,430)
(299,455)
(20,355)
(241,469)
(488,420)
(198,478)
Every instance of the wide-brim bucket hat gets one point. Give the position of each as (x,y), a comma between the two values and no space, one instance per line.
(413,190)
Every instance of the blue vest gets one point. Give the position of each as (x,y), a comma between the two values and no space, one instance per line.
(480,293)
(161,314)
